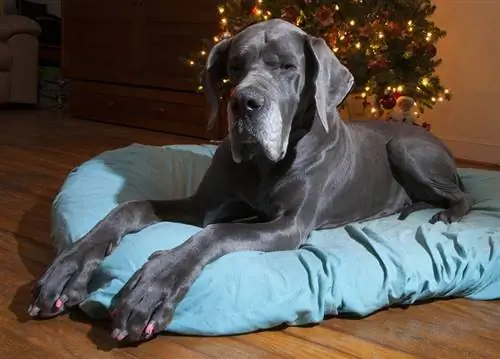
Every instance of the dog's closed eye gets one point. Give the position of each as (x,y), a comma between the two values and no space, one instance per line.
(288,66)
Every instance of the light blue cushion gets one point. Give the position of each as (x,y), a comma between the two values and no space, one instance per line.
(356,270)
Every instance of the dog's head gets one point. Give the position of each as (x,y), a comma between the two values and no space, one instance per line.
(272,66)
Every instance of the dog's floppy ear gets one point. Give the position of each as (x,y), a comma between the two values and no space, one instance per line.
(215,72)
(332,80)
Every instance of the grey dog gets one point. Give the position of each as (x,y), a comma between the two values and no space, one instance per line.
(289,166)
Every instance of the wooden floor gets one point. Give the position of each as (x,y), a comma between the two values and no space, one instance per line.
(38,149)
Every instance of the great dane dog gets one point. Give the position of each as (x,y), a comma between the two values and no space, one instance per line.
(289,166)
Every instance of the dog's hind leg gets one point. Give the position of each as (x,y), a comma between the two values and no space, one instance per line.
(427,171)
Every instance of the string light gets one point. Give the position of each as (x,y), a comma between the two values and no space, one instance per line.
(264,14)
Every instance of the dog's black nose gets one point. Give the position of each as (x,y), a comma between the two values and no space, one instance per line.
(246,101)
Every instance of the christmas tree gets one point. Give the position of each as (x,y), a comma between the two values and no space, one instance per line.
(388,45)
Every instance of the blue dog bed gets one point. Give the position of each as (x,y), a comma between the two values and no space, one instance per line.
(354,270)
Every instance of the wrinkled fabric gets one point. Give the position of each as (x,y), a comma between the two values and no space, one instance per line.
(353,270)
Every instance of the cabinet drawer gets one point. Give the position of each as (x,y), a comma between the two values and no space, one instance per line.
(179,113)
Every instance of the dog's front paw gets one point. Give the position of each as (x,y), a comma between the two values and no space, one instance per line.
(146,304)
(64,283)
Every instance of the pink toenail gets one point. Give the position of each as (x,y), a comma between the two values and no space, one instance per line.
(150,329)
(59,304)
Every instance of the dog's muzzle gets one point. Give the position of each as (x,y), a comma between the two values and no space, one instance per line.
(255,125)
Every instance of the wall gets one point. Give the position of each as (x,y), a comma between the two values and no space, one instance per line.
(470,123)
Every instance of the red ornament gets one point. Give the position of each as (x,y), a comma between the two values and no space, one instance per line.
(431,50)
(324,15)
(388,101)
(378,64)
(256,11)
(395,28)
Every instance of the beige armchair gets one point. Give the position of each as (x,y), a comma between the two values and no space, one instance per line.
(18,59)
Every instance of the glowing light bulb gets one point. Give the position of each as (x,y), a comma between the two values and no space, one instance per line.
(342,37)
(216,39)
(225,81)
(440,99)
(337,8)
(363,95)
(410,23)
(203,53)
(425,81)
(352,22)
(400,88)
(200,88)
(373,110)
(446,91)
(223,21)
(380,35)
(367,88)
(433,99)
(191,62)
(221,9)
(335,49)
(358,45)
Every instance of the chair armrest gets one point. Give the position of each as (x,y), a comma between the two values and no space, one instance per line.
(11,25)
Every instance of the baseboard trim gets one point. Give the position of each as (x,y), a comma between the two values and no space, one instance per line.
(474,151)
(477,164)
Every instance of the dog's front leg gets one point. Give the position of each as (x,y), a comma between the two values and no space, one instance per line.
(146,304)
(64,284)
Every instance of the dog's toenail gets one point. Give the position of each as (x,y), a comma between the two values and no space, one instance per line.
(59,304)
(119,334)
(150,329)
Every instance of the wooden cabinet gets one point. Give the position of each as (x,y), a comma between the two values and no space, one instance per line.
(124,59)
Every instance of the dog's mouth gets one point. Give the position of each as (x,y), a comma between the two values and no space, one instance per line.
(257,135)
